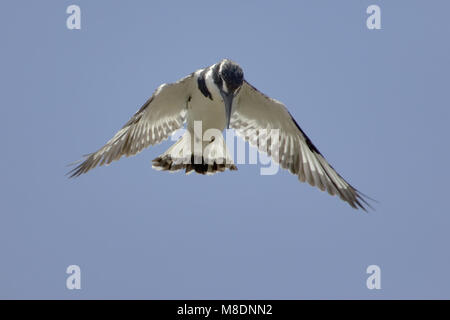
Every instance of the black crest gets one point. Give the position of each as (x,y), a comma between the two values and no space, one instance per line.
(232,74)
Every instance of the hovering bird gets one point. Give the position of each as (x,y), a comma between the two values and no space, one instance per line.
(219,97)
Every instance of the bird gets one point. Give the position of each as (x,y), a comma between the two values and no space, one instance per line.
(219,97)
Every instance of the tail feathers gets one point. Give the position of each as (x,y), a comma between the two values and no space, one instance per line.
(166,163)
(215,157)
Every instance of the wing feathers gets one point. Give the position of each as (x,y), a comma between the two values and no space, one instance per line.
(296,151)
(160,115)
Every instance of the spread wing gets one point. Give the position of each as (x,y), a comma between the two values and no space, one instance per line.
(155,121)
(255,112)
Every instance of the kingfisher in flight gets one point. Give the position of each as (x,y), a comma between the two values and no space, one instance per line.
(220,98)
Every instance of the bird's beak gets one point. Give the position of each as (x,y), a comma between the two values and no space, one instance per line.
(228,101)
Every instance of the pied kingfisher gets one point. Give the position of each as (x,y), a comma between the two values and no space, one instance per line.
(219,97)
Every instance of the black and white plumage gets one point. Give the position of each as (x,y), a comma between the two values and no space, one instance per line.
(219,97)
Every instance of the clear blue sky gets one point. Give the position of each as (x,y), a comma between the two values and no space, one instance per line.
(375,102)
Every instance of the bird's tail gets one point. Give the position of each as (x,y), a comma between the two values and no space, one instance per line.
(207,158)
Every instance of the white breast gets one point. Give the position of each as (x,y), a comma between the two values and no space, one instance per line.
(201,108)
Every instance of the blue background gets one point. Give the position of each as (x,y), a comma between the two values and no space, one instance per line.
(375,102)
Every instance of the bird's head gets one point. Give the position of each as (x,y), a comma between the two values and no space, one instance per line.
(232,78)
